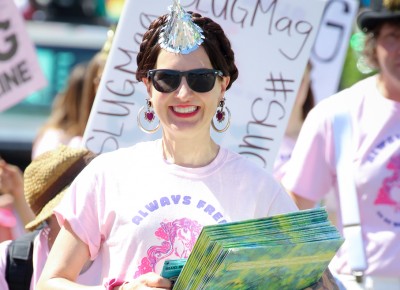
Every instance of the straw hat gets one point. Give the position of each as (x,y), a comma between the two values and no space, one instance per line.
(48,176)
(379,11)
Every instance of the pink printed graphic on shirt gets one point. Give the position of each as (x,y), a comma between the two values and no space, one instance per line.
(389,193)
(178,238)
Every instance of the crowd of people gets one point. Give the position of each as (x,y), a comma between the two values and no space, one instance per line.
(86,216)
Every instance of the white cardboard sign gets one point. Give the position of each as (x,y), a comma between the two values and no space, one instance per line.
(20,73)
(272,40)
(330,47)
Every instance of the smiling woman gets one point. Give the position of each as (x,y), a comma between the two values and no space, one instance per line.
(147,203)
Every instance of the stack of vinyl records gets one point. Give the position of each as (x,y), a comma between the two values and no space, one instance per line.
(287,251)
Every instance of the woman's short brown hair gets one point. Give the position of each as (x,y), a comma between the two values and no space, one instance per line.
(216,44)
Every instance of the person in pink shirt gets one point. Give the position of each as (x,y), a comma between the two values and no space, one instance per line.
(147,203)
(373,108)
(45,182)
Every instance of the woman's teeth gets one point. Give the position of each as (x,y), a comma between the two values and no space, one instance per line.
(185,110)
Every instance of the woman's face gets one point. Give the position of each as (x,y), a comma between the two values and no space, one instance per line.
(185,112)
(388,53)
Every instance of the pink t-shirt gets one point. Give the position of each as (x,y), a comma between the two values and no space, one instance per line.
(376,138)
(139,210)
(90,277)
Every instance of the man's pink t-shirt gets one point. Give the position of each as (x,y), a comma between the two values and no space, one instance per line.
(139,210)
(311,171)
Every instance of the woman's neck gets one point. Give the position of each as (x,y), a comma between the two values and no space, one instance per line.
(189,152)
(390,89)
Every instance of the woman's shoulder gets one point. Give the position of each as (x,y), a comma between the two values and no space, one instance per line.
(245,164)
(258,180)
(350,96)
(349,100)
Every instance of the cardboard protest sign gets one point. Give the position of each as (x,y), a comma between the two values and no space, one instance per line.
(20,73)
(330,47)
(272,40)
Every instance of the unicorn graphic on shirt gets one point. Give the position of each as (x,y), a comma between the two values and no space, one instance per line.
(178,238)
(389,193)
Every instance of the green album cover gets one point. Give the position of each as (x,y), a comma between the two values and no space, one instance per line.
(286,251)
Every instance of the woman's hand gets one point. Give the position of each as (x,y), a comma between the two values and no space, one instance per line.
(327,282)
(147,281)
(11,180)
(12,187)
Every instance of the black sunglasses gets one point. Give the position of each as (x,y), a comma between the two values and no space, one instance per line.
(168,80)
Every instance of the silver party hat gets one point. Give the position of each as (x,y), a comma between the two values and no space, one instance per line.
(180,34)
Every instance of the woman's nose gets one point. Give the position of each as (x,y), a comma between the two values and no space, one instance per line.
(183,91)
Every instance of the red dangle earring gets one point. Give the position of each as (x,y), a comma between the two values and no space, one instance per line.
(149,115)
(220,116)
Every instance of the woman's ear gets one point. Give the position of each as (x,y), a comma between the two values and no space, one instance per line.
(147,83)
(224,83)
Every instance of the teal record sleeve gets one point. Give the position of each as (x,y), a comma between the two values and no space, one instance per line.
(172,268)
